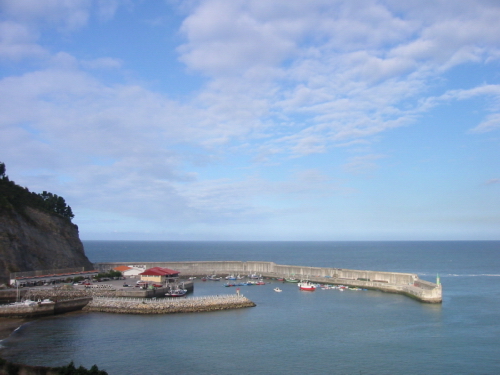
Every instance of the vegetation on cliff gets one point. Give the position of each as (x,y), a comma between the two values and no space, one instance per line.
(11,368)
(16,197)
(36,232)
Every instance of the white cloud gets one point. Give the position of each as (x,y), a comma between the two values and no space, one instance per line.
(103,63)
(363,164)
(18,42)
(491,123)
(65,14)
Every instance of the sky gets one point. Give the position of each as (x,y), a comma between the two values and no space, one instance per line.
(324,120)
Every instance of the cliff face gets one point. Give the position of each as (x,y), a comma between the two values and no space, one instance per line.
(35,240)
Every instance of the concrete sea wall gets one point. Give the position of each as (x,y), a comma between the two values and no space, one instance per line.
(394,282)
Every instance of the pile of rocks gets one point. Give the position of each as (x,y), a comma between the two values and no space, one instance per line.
(168,305)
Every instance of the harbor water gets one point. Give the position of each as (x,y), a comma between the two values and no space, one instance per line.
(292,332)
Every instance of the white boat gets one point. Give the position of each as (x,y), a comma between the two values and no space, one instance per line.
(24,303)
(306,285)
(46,301)
(177,293)
(277,289)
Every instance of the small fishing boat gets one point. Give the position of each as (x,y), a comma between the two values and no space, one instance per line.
(176,293)
(46,301)
(306,285)
(277,290)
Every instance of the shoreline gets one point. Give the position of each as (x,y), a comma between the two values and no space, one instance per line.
(9,325)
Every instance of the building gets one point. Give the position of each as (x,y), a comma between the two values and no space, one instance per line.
(122,269)
(130,271)
(159,275)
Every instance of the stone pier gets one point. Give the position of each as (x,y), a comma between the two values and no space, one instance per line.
(167,305)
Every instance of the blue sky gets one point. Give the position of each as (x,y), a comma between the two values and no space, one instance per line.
(257,119)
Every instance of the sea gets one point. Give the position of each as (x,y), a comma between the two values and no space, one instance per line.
(292,332)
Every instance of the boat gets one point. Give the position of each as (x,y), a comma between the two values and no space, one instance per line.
(27,302)
(291,280)
(306,285)
(46,301)
(176,293)
(277,289)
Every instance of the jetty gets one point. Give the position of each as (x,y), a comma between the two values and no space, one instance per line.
(167,305)
(408,284)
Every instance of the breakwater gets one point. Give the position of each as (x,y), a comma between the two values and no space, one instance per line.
(167,305)
(394,282)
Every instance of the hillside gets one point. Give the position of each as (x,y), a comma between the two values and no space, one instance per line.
(34,235)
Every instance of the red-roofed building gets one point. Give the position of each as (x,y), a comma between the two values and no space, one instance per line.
(122,269)
(159,275)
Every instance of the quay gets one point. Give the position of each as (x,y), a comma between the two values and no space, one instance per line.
(408,284)
(34,309)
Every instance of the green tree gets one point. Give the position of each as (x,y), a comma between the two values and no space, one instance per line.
(14,196)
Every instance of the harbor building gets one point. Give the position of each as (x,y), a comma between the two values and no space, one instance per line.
(160,275)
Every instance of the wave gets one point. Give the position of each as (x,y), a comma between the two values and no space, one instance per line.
(470,275)
(428,275)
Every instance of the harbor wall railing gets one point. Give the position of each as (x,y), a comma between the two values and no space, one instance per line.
(395,282)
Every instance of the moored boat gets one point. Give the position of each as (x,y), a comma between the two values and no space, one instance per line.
(306,285)
(176,293)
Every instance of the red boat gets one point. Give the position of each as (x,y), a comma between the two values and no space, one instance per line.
(306,285)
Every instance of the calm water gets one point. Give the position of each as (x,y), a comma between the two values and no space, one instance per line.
(293,332)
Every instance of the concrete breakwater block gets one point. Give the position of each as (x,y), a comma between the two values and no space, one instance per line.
(168,305)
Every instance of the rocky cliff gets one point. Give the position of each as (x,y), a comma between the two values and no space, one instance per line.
(31,239)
